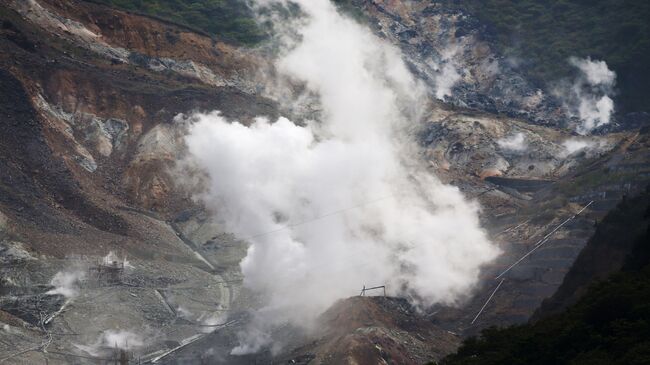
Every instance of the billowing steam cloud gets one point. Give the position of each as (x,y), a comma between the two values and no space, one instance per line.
(66,283)
(515,142)
(332,205)
(574,145)
(589,97)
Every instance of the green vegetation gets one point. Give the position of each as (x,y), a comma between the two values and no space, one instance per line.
(352,10)
(597,179)
(230,20)
(610,324)
(544,34)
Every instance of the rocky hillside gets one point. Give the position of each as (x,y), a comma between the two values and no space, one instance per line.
(96,228)
(542,36)
(88,140)
(604,320)
(375,330)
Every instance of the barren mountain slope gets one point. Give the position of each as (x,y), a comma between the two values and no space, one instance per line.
(89,142)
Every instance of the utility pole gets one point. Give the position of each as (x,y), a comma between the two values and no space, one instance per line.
(364,290)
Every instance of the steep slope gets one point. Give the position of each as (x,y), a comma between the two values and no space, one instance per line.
(446,47)
(375,330)
(608,324)
(616,236)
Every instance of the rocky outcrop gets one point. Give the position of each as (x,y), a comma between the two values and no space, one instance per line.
(97,109)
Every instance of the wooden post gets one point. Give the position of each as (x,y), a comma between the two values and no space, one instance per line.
(364,290)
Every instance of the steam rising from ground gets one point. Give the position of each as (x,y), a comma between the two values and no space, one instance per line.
(588,145)
(66,283)
(574,145)
(112,257)
(589,96)
(328,207)
(515,142)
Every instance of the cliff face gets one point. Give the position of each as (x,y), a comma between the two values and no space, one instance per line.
(376,330)
(89,140)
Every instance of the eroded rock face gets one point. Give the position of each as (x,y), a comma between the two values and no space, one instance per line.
(449,51)
(80,34)
(120,49)
(483,146)
(98,111)
(32,308)
(150,173)
(106,135)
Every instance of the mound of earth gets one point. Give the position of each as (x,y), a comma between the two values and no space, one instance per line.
(375,330)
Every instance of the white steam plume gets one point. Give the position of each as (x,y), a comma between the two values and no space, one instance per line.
(589,97)
(393,223)
(595,72)
(448,75)
(573,145)
(515,142)
(112,257)
(111,339)
(66,283)
(589,145)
